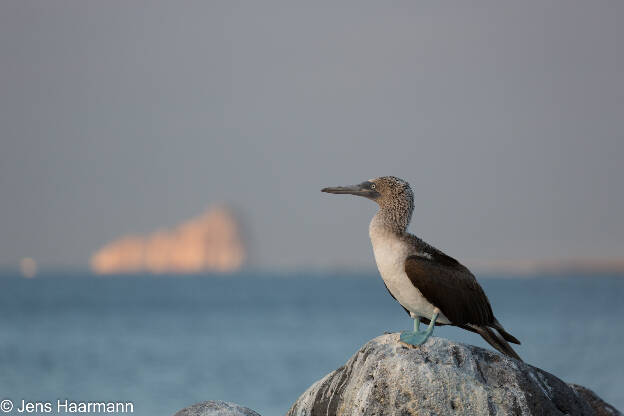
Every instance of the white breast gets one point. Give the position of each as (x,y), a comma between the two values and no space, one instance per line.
(390,254)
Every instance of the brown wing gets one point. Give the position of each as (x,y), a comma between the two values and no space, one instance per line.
(450,287)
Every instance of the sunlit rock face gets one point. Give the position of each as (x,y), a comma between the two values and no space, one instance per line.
(442,377)
(210,242)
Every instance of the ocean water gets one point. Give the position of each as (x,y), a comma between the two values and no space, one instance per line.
(164,343)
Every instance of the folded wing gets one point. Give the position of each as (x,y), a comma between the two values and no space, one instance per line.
(451,287)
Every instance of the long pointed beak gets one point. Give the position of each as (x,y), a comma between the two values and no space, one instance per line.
(352,189)
(364,189)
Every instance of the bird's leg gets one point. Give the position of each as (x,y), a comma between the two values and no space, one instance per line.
(417,337)
(416,319)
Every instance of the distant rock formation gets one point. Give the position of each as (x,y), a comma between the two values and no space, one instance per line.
(442,377)
(210,242)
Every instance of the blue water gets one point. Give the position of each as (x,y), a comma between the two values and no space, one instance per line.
(164,343)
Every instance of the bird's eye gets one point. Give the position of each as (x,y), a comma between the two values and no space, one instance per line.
(373,186)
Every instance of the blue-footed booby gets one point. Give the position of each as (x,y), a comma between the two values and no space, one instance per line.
(432,287)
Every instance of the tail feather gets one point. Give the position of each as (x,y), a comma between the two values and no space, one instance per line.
(508,336)
(498,341)
(505,334)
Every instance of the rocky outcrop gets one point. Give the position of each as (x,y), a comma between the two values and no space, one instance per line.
(210,242)
(441,377)
(216,408)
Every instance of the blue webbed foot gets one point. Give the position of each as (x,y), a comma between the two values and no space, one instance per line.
(417,337)
(414,338)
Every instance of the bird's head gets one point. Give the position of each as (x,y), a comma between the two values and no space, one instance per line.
(385,190)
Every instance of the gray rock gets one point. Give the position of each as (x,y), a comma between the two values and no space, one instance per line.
(441,377)
(216,408)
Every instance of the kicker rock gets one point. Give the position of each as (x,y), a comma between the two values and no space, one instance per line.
(210,242)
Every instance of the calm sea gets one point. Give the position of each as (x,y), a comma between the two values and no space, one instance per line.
(164,343)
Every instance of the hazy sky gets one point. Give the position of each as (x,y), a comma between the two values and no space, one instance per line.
(507,117)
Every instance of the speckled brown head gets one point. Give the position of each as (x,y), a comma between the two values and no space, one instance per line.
(394,196)
(391,190)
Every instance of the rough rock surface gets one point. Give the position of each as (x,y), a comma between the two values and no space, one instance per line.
(216,408)
(441,377)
